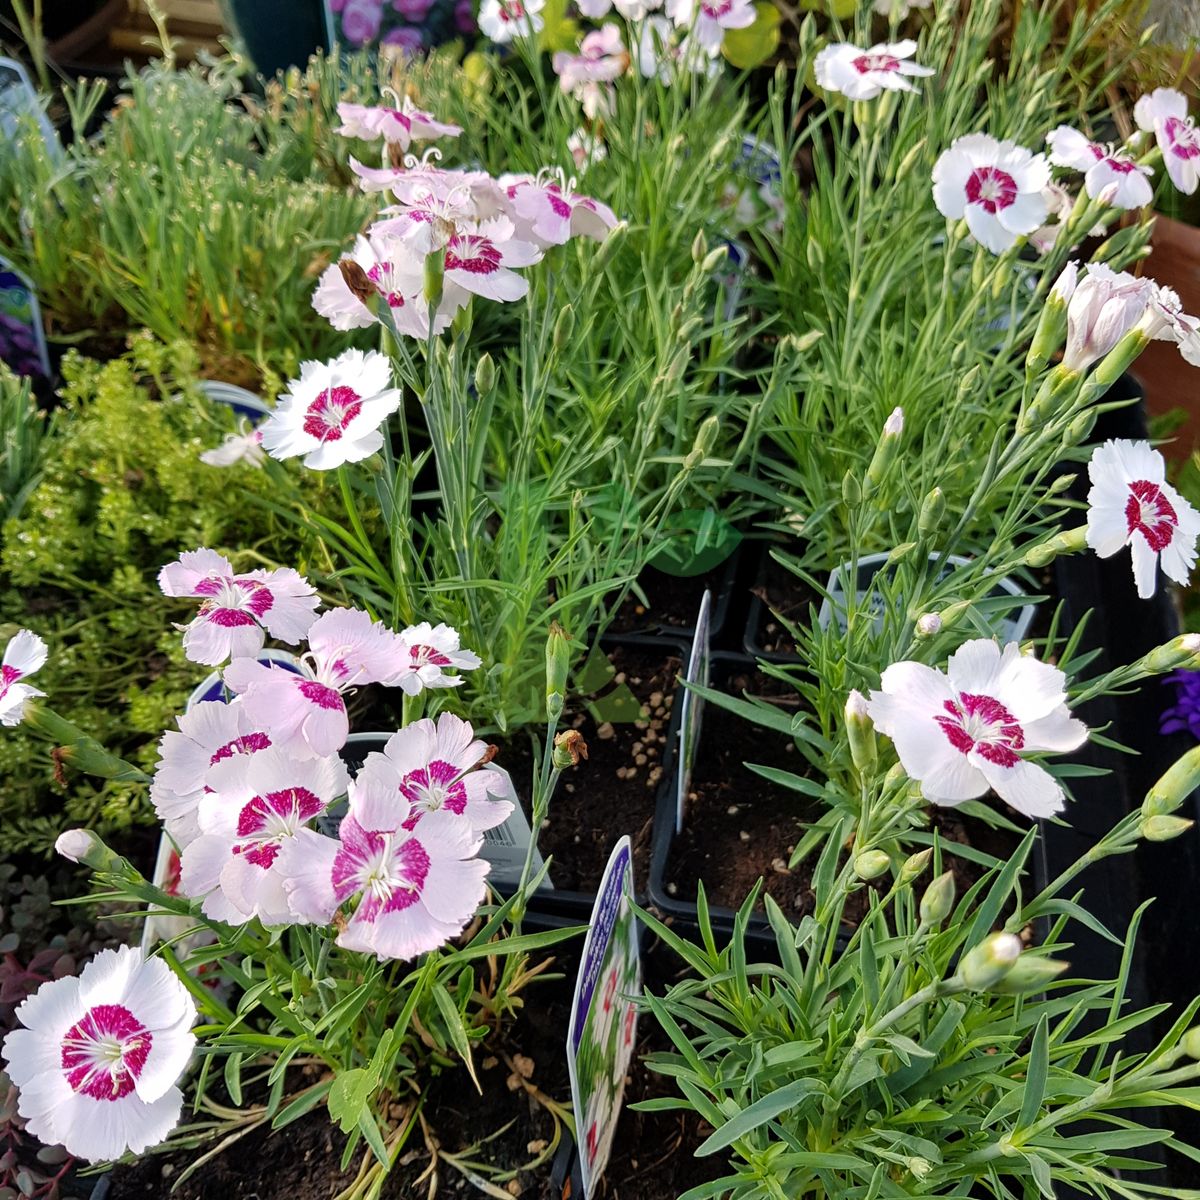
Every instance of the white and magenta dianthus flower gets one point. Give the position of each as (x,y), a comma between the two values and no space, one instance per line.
(427,768)
(398,126)
(503,20)
(587,76)
(334,412)
(209,733)
(255,806)
(409,890)
(996,187)
(552,212)
(425,652)
(1164,113)
(237,611)
(245,446)
(98,1058)
(707,20)
(1102,307)
(1130,503)
(307,713)
(1111,173)
(864,74)
(967,731)
(24,655)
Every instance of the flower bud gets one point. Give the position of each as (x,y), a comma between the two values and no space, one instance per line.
(75,748)
(1175,785)
(699,247)
(564,327)
(485,376)
(713,259)
(558,663)
(801,344)
(1052,322)
(886,450)
(84,846)
(933,509)
(953,613)
(983,966)
(870,864)
(914,866)
(900,552)
(929,625)
(1163,828)
(608,247)
(435,274)
(851,491)
(938,901)
(1080,429)
(1030,973)
(1068,541)
(1182,651)
(1191,1042)
(569,748)
(861,732)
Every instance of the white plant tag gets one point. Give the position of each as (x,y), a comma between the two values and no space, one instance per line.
(691,709)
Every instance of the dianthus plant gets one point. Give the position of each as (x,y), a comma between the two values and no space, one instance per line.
(306,919)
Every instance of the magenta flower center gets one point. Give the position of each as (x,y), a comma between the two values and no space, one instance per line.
(428,656)
(435,786)
(514,10)
(320,694)
(270,818)
(233,601)
(1149,512)
(248,744)
(717,10)
(331,412)
(472,253)
(991,188)
(8,676)
(983,725)
(1182,137)
(381,275)
(105,1051)
(865,63)
(389,869)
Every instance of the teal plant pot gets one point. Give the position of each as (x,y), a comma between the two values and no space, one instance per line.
(277,34)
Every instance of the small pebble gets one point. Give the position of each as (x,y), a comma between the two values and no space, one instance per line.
(641,760)
(570,787)
(546,823)
(671,889)
(578,839)
(743,835)
(732,810)
(619,677)
(669,701)
(636,748)
(641,724)
(656,699)
(605,731)
(777,864)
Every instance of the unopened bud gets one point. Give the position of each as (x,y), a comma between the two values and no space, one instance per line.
(929,625)
(933,509)
(1183,651)
(900,552)
(1191,1042)
(870,864)
(608,247)
(851,491)
(358,281)
(801,343)
(1175,785)
(983,966)
(713,259)
(699,247)
(886,450)
(1030,973)
(569,748)
(861,733)
(953,613)
(435,276)
(75,748)
(558,663)
(1068,541)
(687,329)
(910,159)
(84,846)
(485,376)
(1052,323)
(969,382)
(564,327)
(1163,828)
(1080,429)
(914,866)
(938,901)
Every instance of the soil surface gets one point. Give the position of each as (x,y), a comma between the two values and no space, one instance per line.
(615,791)
(787,595)
(503,1132)
(673,600)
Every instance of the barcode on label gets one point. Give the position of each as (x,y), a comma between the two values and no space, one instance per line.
(500,836)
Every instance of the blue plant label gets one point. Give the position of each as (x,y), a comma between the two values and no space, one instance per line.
(691,709)
(244,403)
(22,336)
(19,103)
(213,687)
(603,1026)
(1003,619)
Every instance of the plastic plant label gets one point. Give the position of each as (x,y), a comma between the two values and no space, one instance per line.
(691,709)
(244,403)
(603,1027)
(22,337)
(213,687)
(1011,628)
(18,102)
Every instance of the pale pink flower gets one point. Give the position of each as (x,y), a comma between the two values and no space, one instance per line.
(1165,321)
(397,126)
(98,1058)
(586,149)
(242,447)
(865,74)
(24,655)
(480,259)
(551,212)
(473,195)
(307,713)
(425,652)
(361,20)
(1131,504)
(586,75)
(995,186)
(416,888)
(397,276)
(209,733)
(503,20)
(427,768)
(1102,307)
(1103,167)
(966,731)
(334,413)
(237,611)
(1164,113)
(255,804)
(707,20)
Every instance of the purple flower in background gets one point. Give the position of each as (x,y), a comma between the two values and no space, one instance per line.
(361,20)
(464,16)
(408,38)
(413,10)
(1184,714)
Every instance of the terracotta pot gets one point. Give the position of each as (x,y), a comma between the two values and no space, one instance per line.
(1170,382)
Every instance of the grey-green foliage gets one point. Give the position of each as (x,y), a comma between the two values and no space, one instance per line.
(25,436)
